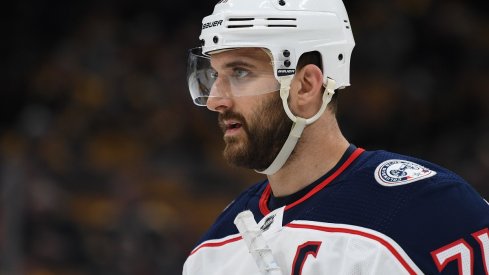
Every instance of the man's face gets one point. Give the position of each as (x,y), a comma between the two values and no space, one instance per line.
(255,126)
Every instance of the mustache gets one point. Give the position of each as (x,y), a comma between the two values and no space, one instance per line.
(230,115)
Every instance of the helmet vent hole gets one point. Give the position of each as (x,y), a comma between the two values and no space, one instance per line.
(340,57)
(281,2)
(282,26)
(270,22)
(239,26)
(282,22)
(236,22)
(281,19)
(241,19)
(215,39)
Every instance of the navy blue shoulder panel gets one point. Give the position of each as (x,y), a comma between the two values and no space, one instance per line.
(224,224)
(421,216)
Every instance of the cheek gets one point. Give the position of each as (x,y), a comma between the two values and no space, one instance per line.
(268,112)
(258,111)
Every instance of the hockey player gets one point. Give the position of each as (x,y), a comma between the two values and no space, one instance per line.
(270,68)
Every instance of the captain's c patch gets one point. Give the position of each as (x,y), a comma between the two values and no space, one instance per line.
(396,172)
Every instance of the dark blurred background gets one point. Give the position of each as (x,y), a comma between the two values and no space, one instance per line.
(106,166)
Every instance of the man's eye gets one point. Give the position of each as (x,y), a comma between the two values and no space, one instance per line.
(240,73)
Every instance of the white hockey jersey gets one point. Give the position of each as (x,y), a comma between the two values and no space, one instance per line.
(374,213)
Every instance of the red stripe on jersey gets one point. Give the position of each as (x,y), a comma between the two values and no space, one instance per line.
(383,242)
(267,192)
(264,200)
(216,244)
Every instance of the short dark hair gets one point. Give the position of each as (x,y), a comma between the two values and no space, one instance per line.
(314,58)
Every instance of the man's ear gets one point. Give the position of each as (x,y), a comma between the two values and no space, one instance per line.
(308,97)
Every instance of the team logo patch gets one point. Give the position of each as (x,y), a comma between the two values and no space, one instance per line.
(267,223)
(396,172)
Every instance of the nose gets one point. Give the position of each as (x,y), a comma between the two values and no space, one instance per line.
(218,100)
(219,104)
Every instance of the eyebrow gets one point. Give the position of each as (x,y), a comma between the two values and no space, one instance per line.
(239,63)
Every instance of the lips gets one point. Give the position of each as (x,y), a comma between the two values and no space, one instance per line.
(231,125)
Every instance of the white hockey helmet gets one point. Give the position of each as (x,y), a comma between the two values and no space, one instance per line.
(287,29)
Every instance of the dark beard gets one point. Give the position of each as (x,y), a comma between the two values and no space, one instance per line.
(266,133)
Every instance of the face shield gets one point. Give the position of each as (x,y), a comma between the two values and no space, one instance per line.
(228,74)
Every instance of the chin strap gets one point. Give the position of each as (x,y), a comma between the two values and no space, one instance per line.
(299,123)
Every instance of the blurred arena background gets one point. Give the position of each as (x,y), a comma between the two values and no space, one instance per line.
(106,166)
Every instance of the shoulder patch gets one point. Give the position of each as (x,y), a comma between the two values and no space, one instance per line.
(396,172)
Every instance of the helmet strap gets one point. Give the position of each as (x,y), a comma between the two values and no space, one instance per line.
(299,123)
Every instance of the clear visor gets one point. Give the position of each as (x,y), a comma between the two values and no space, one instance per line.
(232,73)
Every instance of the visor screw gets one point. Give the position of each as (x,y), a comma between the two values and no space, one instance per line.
(215,39)
(287,63)
(202,42)
(286,53)
(281,2)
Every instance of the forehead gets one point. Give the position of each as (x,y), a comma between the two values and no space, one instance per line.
(252,57)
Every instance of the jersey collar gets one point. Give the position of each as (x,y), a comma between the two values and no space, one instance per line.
(267,200)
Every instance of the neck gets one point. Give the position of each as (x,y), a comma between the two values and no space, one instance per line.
(319,149)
